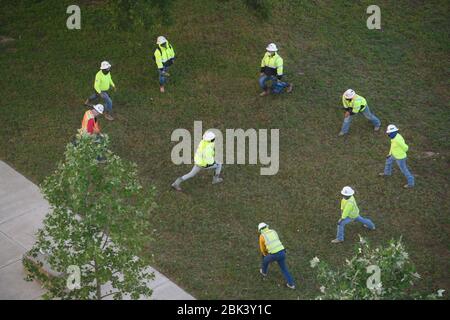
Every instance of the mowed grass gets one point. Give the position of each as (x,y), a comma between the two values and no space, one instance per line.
(205,239)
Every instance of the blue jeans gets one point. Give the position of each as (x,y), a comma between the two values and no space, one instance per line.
(279,257)
(264,78)
(403,168)
(162,78)
(105,97)
(341,225)
(369,115)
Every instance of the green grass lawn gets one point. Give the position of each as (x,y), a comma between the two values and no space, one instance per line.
(206,239)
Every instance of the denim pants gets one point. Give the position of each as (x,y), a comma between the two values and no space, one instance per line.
(369,115)
(196,169)
(264,78)
(105,97)
(341,225)
(162,78)
(279,257)
(403,168)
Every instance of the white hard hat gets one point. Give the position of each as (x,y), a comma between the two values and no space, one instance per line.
(262,225)
(105,65)
(347,191)
(391,128)
(272,47)
(209,135)
(99,108)
(161,40)
(349,94)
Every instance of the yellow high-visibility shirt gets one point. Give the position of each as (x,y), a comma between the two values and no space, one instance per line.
(204,156)
(398,147)
(357,104)
(349,208)
(103,82)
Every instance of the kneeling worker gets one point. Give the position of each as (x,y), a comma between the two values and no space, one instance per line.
(272,250)
(204,160)
(272,70)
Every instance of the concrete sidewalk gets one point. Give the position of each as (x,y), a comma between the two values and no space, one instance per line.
(22,210)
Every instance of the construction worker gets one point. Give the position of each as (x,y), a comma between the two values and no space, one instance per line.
(204,160)
(164,56)
(272,70)
(397,153)
(273,250)
(354,104)
(102,83)
(90,127)
(89,124)
(349,213)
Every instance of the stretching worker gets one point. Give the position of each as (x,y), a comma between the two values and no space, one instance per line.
(102,83)
(272,250)
(350,212)
(397,153)
(164,56)
(204,160)
(353,104)
(89,124)
(272,70)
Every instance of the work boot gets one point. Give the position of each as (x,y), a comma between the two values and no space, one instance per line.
(289,89)
(161,89)
(264,93)
(176,184)
(336,241)
(108,117)
(217,179)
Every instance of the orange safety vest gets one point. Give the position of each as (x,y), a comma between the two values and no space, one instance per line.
(84,123)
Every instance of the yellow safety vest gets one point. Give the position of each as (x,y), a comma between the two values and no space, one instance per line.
(162,55)
(349,208)
(84,123)
(273,243)
(356,104)
(273,63)
(204,156)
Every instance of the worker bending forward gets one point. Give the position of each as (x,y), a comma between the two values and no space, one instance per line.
(354,104)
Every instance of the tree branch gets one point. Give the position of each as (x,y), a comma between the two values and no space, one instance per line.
(109,294)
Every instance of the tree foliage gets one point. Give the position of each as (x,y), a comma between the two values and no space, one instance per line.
(357,278)
(98,222)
